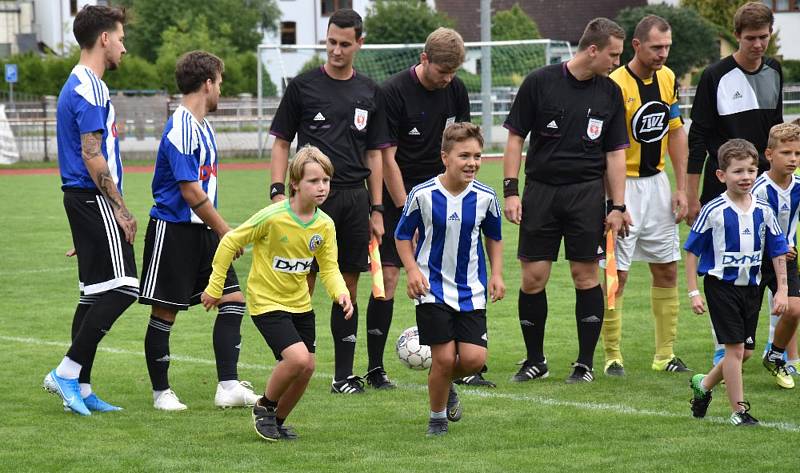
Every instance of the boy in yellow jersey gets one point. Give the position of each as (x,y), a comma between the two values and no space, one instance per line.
(655,127)
(286,237)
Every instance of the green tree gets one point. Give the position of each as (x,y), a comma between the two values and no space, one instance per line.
(720,13)
(513,24)
(694,41)
(402,21)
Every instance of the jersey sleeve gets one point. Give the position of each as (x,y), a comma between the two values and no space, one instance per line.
(393,107)
(179,149)
(89,113)
(410,219)
(617,135)
(327,257)
(255,228)
(523,109)
(675,118)
(775,244)
(700,237)
(492,224)
(462,103)
(378,133)
(286,121)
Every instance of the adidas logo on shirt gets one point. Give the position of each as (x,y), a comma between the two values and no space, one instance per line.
(746,231)
(552,125)
(784,208)
(414,132)
(454,217)
(319,117)
(737,95)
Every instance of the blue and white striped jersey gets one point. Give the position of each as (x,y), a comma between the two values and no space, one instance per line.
(84,107)
(731,243)
(188,152)
(785,203)
(450,248)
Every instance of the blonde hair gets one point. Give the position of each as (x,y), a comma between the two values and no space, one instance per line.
(458,132)
(736,149)
(306,155)
(445,47)
(782,133)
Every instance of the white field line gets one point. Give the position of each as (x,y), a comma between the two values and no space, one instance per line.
(490,394)
(15,272)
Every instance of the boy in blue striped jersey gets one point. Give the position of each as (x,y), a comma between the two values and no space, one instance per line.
(447,272)
(731,236)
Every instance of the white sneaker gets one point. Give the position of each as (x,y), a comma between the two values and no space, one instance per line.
(168,401)
(240,396)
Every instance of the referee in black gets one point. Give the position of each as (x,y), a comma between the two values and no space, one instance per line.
(339,111)
(576,119)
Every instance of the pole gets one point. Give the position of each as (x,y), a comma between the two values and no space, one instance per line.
(259,88)
(486,72)
(44,128)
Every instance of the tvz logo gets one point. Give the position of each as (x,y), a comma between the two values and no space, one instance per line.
(652,122)
(741,260)
(291,265)
(207,171)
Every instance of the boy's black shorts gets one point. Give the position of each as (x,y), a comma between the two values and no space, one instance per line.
(733,310)
(439,323)
(283,329)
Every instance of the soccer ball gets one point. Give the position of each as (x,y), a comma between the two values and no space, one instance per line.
(410,352)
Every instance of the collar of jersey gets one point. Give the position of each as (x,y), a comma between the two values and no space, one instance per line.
(778,188)
(447,192)
(297,219)
(736,207)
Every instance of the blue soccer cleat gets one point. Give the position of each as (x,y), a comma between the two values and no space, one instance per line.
(94,403)
(68,390)
(718,355)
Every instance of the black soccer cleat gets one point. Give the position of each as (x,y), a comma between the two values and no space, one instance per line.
(377,379)
(580,374)
(476,379)
(265,423)
(351,385)
(530,370)
(615,368)
(700,397)
(453,405)
(742,418)
(287,432)
(436,427)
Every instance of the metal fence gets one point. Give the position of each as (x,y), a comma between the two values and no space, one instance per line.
(141,120)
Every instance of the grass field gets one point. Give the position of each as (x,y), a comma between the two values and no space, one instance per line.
(639,423)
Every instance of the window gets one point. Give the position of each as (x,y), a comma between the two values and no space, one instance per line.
(73,7)
(327,7)
(288,32)
(779,6)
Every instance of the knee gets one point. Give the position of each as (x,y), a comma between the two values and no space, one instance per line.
(585,280)
(746,354)
(235,297)
(390,277)
(664,275)
(533,283)
(307,369)
(443,363)
(473,362)
(167,315)
(622,279)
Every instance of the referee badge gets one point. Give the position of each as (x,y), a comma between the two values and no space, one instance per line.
(360,119)
(315,242)
(594,129)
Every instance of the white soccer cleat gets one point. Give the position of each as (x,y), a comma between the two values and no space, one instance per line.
(240,396)
(168,401)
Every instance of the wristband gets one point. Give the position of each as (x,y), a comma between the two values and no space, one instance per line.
(510,186)
(277,188)
(696,292)
(377,208)
(621,208)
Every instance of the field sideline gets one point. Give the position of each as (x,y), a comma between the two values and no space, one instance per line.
(639,423)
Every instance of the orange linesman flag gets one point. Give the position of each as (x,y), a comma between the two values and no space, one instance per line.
(376,269)
(612,281)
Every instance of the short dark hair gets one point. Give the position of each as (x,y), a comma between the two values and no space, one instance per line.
(194,68)
(95,19)
(347,18)
(752,16)
(736,149)
(646,24)
(599,32)
(459,132)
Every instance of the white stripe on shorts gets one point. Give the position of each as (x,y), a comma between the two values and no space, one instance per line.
(112,234)
(155,260)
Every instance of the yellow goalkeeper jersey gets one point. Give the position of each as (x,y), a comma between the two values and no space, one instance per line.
(283,249)
(651,111)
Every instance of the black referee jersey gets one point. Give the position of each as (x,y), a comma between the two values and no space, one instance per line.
(572,123)
(416,119)
(343,118)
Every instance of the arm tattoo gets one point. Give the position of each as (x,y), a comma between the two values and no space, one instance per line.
(90,145)
(200,204)
(90,149)
(780,271)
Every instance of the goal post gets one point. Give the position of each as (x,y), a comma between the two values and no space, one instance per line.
(509,62)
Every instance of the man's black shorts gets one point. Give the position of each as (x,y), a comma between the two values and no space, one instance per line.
(439,323)
(575,212)
(283,329)
(769,280)
(177,264)
(733,310)
(349,210)
(105,260)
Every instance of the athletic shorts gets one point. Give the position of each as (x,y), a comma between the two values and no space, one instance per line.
(349,210)
(391,217)
(439,323)
(105,260)
(283,329)
(769,280)
(733,310)
(654,236)
(575,212)
(177,264)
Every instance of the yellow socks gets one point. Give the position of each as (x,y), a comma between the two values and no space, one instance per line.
(664,301)
(612,332)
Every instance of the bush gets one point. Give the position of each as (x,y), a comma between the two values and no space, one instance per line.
(791,71)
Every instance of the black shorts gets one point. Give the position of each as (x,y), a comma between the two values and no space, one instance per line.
(769,280)
(391,217)
(439,323)
(105,260)
(575,212)
(349,210)
(733,310)
(177,264)
(283,329)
